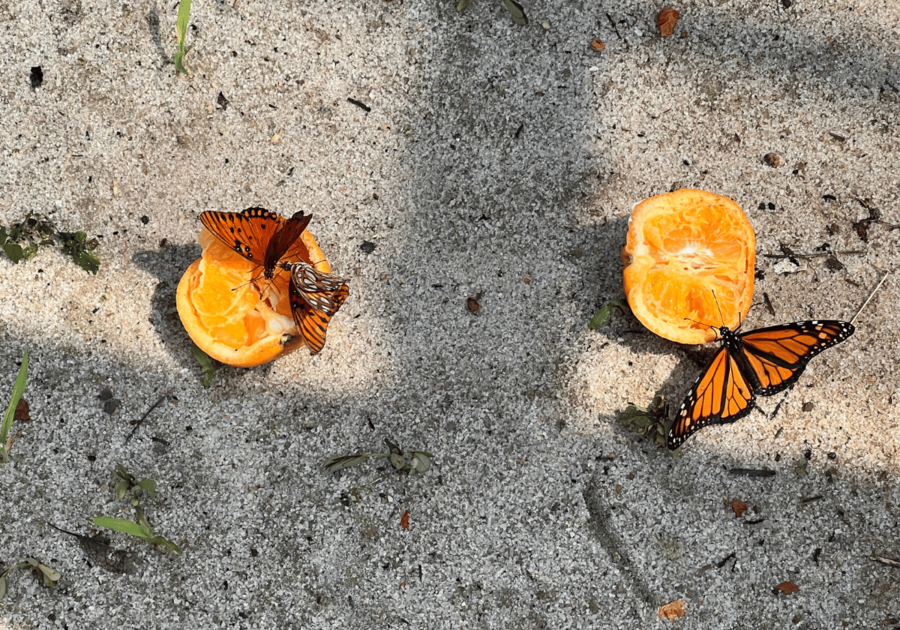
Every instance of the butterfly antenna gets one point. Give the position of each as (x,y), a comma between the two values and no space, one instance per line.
(871,295)
(312,263)
(719,308)
(696,322)
(252,279)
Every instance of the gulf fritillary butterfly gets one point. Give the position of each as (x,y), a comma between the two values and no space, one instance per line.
(315,298)
(258,235)
(267,238)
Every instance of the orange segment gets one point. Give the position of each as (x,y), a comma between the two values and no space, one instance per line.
(232,317)
(682,248)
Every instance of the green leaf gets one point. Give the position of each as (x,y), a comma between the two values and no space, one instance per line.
(121,488)
(18,390)
(461,5)
(517,12)
(3,236)
(30,252)
(166,543)
(632,411)
(206,365)
(148,486)
(398,461)
(87,261)
(601,316)
(181,26)
(396,457)
(178,60)
(421,461)
(659,407)
(641,423)
(339,462)
(76,245)
(49,575)
(119,525)
(181,23)
(652,421)
(14,252)
(121,472)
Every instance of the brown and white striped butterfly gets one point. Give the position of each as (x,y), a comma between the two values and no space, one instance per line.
(315,298)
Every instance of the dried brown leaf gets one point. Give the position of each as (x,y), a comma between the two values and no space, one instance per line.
(404,520)
(22,411)
(666,21)
(787,588)
(739,507)
(598,45)
(672,610)
(772,159)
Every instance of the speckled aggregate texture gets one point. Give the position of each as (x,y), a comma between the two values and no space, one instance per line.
(500,163)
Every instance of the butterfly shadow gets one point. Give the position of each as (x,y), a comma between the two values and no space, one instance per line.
(167,264)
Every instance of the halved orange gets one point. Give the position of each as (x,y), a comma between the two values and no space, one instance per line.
(686,251)
(233,317)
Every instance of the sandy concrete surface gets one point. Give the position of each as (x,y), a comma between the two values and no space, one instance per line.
(494,161)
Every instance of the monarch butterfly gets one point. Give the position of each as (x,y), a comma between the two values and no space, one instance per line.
(315,298)
(258,235)
(763,361)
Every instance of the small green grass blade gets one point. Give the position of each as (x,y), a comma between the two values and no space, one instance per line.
(120,525)
(18,390)
(181,25)
(207,367)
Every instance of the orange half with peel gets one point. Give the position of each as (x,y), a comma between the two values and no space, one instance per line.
(232,312)
(689,264)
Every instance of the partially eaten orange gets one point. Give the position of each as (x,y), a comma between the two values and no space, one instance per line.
(232,312)
(689,264)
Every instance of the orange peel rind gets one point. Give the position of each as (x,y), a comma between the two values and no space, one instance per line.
(689,254)
(231,312)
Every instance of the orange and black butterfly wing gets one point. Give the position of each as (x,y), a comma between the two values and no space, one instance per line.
(778,355)
(722,394)
(285,243)
(249,233)
(311,322)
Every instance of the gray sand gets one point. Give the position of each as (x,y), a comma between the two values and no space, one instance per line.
(498,161)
